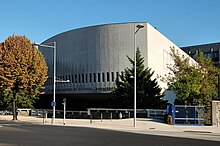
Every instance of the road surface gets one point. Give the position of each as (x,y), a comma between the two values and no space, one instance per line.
(46,135)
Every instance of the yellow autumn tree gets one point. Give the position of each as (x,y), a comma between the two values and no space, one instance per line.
(22,68)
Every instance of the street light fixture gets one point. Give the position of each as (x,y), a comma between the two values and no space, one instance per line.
(53,45)
(138,27)
(58,80)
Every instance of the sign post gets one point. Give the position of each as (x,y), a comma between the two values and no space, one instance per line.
(64,111)
(53,104)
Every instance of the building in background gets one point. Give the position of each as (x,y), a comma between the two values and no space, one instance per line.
(93,57)
(210,50)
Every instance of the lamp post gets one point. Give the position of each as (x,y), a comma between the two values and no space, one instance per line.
(54,76)
(138,27)
(218,87)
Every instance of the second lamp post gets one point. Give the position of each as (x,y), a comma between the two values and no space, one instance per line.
(53,103)
(136,29)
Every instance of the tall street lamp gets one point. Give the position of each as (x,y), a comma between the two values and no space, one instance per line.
(218,87)
(53,45)
(136,29)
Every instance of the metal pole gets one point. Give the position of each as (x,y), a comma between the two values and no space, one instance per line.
(101,117)
(218,87)
(54,78)
(139,26)
(91,118)
(135,76)
(54,84)
(43,116)
(64,111)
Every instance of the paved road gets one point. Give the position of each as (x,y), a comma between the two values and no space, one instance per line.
(43,135)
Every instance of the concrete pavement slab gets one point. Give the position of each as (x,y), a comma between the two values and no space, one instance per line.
(144,126)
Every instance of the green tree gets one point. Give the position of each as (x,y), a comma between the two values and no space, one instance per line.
(193,83)
(24,100)
(23,70)
(148,91)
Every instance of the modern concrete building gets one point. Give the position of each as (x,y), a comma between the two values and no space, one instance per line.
(211,50)
(92,57)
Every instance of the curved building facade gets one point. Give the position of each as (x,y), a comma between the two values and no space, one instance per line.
(92,57)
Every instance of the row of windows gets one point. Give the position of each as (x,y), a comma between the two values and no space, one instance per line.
(86,78)
(213,55)
(204,50)
(79,89)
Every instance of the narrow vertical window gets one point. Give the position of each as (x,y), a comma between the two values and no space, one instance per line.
(82,78)
(108,77)
(113,77)
(90,77)
(75,78)
(94,77)
(103,77)
(72,79)
(99,77)
(117,76)
(79,78)
(86,78)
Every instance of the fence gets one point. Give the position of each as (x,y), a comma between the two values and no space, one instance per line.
(5,112)
(102,113)
(59,113)
(187,115)
(156,113)
(126,113)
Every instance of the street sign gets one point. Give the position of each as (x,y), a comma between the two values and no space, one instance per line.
(53,103)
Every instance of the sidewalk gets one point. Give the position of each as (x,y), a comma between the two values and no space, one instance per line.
(144,126)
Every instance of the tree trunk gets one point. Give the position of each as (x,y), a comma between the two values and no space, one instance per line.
(15,96)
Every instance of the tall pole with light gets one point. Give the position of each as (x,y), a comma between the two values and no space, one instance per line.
(136,29)
(218,87)
(54,77)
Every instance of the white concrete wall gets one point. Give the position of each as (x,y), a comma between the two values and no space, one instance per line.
(159,49)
